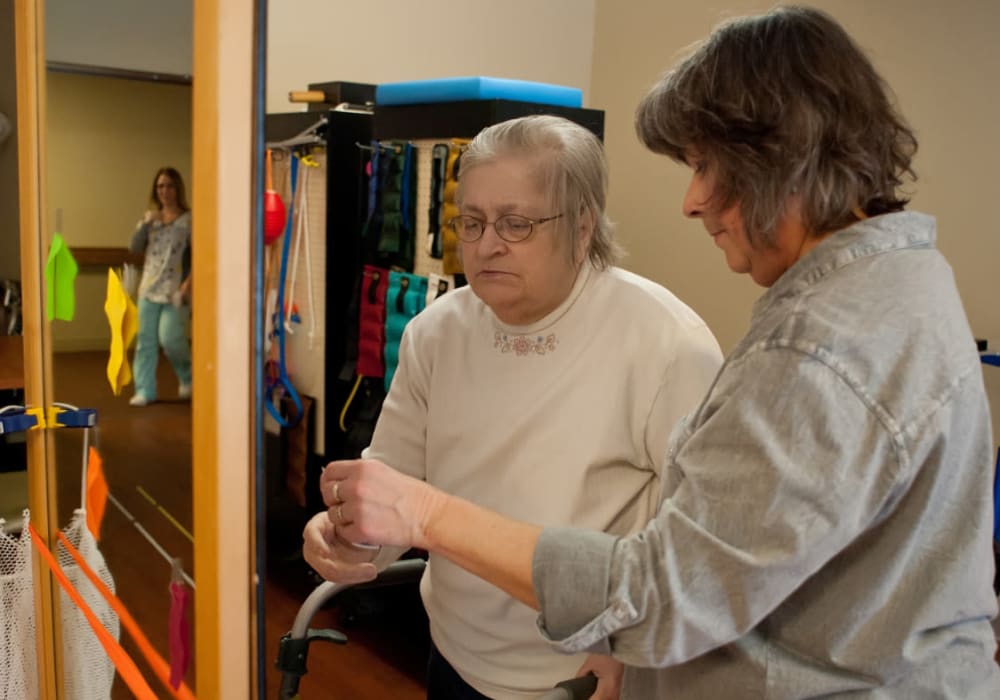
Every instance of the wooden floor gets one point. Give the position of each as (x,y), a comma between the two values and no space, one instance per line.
(147,462)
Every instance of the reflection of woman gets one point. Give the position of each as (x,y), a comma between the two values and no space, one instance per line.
(543,390)
(164,235)
(827,520)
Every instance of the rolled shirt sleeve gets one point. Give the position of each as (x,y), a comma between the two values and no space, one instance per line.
(776,477)
(578,617)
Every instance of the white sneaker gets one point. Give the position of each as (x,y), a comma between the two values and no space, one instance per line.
(184,391)
(139,400)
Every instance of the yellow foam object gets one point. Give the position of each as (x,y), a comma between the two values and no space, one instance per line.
(451,263)
(123,317)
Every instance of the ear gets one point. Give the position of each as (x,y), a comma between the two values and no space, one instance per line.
(585,233)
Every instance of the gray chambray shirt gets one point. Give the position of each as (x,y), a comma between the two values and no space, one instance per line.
(827,517)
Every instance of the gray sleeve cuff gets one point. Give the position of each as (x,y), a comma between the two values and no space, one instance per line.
(571,572)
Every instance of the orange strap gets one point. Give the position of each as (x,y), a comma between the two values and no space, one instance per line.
(122,661)
(160,667)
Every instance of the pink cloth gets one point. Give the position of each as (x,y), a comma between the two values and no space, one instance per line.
(180,633)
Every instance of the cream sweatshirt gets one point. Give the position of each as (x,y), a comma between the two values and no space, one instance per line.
(563,422)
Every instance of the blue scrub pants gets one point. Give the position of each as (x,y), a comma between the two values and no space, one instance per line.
(160,324)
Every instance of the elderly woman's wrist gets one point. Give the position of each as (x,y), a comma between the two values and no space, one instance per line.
(354,552)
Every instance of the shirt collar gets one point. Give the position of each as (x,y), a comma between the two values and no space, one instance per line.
(864,239)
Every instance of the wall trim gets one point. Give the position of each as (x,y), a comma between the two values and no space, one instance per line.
(122,73)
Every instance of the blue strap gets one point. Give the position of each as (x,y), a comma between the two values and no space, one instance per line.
(16,422)
(996,499)
(279,328)
(77,418)
(17,419)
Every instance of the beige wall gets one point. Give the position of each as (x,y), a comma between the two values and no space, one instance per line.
(548,41)
(144,35)
(9,248)
(106,139)
(380,41)
(942,61)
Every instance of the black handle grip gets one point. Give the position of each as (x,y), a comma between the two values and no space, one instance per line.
(580,688)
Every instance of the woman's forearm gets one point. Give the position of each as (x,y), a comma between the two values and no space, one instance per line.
(487,544)
(373,503)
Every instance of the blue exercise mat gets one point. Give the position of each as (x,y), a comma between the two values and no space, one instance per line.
(478,88)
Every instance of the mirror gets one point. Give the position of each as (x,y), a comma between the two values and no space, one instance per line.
(614,53)
(114,114)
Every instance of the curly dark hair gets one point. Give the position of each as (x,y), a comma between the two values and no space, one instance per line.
(784,103)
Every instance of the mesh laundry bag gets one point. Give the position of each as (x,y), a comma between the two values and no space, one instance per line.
(18,668)
(88,673)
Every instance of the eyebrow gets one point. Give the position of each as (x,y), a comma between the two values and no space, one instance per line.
(503,209)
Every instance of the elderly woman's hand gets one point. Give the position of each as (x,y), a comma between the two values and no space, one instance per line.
(370,502)
(333,557)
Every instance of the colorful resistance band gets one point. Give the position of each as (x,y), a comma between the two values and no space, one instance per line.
(122,661)
(156,662)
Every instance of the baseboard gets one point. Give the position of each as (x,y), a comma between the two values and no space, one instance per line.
(79,344)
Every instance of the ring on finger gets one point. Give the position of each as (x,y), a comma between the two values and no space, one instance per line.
(336,492)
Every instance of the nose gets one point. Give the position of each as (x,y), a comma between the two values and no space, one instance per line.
(490,242)
(695,199)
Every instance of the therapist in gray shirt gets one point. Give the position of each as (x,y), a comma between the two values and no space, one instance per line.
(826,522)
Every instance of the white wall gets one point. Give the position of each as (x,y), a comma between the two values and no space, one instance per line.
(143,35)
(380,41)
(942,61)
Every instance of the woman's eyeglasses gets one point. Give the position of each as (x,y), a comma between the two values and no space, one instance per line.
(512,228)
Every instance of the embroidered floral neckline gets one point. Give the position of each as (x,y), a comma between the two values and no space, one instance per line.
(538,338)
(525,344)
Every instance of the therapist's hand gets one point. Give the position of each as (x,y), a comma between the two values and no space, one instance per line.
(609,674)
(371,502)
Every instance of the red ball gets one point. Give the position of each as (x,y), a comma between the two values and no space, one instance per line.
(274,216)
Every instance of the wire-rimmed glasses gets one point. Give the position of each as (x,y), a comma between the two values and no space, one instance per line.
(512,228)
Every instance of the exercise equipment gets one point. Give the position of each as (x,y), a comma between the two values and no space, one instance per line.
(293,650)
(274,208)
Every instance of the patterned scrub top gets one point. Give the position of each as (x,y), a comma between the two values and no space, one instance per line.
(167,248)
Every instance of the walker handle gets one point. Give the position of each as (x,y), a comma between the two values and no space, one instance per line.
(573,689)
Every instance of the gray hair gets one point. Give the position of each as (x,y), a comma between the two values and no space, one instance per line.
(784,103)
(572,166)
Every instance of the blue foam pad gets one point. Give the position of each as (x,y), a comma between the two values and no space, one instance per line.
(461,89)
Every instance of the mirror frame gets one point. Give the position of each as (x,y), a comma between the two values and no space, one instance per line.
(224,408)
(29,60)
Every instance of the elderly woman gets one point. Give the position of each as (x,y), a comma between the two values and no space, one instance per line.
(826,526)
(544,390)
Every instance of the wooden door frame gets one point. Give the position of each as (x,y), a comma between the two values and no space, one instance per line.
(224,408)
(29,59)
